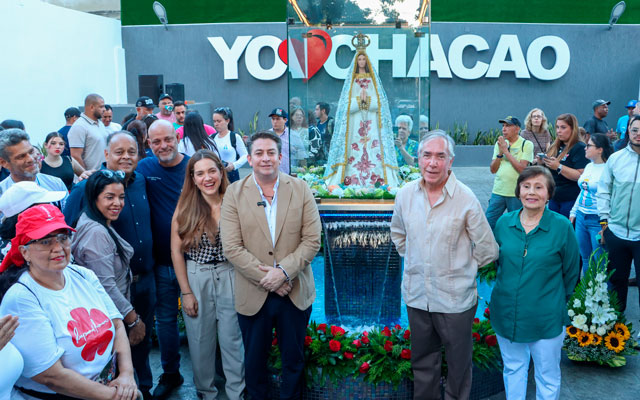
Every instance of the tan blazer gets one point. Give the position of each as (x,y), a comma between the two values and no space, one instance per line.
(246,240)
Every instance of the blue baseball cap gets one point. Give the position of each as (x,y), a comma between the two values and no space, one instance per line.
(510,120)
(631,104)
(280,112)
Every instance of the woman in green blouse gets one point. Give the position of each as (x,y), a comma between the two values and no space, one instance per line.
(537,271)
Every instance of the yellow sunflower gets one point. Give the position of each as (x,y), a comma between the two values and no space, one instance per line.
(614,341)
(597,339)
(572,331)
(585,339)
(622,330)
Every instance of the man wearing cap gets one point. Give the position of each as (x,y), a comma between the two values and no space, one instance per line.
(165,103)
(597,124)
(71,114)
(623,121)
(144,107)
(87,136)
(19,157)
(511,154)
(107,120)
(292,145)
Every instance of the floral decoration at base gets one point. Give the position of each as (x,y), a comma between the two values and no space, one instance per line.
(598,331)
(377,356)
(313,176)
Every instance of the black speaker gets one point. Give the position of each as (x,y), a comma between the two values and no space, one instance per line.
(176,91)
(151,85)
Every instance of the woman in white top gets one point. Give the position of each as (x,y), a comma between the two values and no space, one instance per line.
(195,137)
(12,363)
(585,210)
(231,148)
(71,336)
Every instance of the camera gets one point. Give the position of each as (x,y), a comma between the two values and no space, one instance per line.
(542,155)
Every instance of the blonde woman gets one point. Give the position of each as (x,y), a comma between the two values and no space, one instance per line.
(535,130)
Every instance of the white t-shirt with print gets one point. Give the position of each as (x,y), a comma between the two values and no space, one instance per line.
(73,324)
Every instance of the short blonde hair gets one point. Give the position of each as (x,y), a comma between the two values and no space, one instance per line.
(529,126)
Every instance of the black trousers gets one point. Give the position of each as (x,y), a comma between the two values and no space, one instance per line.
(291,328)
(621,253)
(143,299)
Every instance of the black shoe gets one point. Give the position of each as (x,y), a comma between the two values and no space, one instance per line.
(166,385)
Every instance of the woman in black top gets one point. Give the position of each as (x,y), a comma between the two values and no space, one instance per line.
(54,164)
(566,159)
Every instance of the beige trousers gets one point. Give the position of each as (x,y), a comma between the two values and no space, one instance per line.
(213,287)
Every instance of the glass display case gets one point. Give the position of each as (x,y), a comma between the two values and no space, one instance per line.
(358,80)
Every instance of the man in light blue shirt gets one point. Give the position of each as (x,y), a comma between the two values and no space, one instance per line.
(623,121)
(19,157)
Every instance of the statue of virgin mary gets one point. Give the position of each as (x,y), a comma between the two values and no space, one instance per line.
(361,151)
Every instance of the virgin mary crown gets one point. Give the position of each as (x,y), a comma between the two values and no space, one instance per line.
(360,42)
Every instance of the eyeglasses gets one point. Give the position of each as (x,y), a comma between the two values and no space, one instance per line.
(48,242)
(589,145)
(110,174)
(536,117)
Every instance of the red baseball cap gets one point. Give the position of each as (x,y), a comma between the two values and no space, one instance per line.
(33,223)
(38,221)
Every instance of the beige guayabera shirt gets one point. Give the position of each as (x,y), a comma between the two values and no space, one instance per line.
(442,246)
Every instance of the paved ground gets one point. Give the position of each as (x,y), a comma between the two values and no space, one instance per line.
(579,381)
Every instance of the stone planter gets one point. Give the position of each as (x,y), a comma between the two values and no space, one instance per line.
(473,156)
(485,384)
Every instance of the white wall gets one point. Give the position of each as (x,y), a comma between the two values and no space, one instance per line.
(51,58)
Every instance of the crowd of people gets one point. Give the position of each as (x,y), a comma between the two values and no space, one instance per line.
(127,225)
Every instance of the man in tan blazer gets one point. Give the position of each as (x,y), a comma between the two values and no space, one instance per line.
(270,229)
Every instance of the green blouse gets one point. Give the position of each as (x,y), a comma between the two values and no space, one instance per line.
(537,273)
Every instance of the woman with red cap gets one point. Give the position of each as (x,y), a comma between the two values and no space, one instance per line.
(71,335)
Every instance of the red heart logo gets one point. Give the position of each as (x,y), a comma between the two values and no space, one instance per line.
(318,50)
(90,331)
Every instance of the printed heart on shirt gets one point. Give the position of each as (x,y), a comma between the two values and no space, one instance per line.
(91,331)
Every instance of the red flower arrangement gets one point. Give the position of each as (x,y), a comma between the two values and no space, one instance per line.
(334,345)
(379,355)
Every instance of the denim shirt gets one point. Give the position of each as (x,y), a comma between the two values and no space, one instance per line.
(133,224)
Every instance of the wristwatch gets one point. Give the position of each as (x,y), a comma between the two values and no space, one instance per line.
(559,169)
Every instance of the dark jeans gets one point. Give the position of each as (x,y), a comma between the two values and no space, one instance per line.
(561,207)
(291,328)
(497,205)
(143,299)
(621,253)
(429,332)
(167,293)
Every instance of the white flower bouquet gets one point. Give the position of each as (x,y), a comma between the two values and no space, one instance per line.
(598,331)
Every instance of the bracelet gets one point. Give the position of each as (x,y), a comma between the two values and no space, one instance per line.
(500,156)
(134,323)
(184,294)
